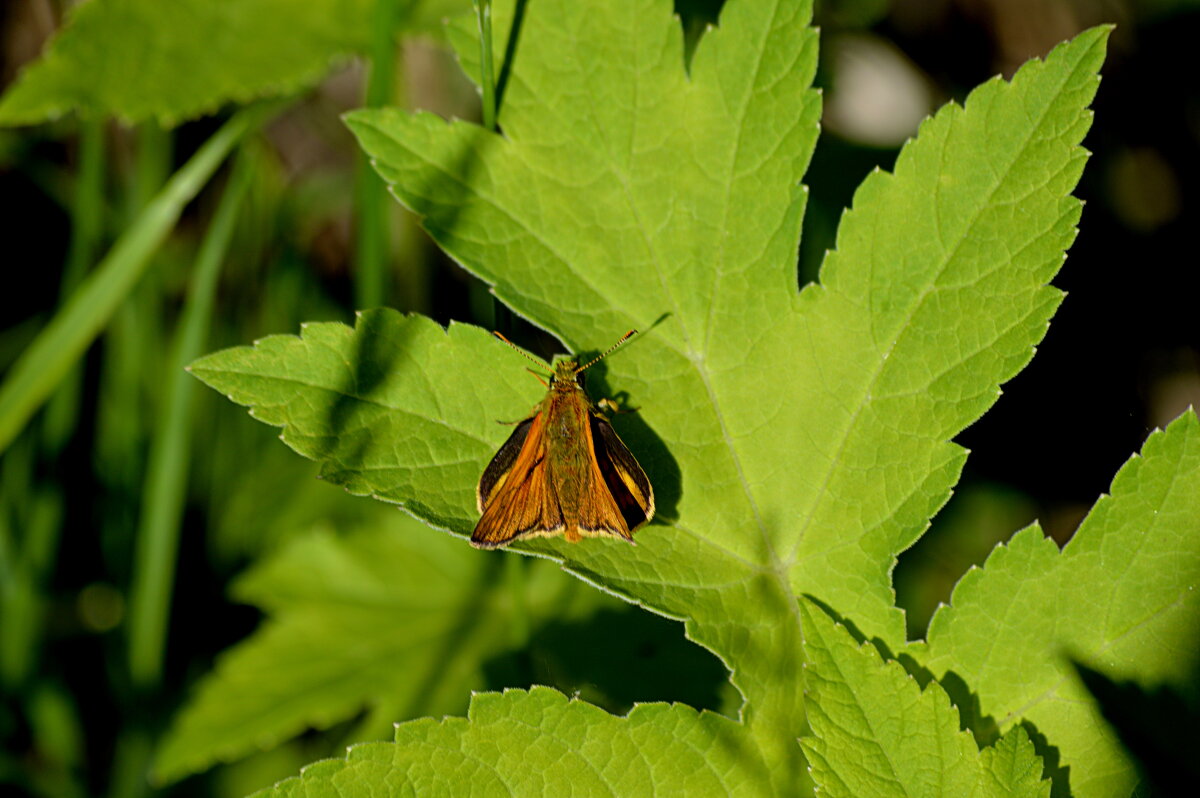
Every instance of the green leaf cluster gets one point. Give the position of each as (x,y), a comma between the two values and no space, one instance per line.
(186,58)
(876,732)
(798,439)
(345,634)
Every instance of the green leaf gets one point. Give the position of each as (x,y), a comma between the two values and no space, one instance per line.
(797,441)
(540,743)
(397,407)
(186,58)
(1121,595)
(877,733)
(386,618)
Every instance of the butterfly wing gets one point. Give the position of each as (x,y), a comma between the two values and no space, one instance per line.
(515,494)
(498,471)
(622,475)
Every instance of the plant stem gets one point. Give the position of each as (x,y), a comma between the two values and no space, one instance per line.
(487,73)
(166,471)
(22,599)
(127,778)
(86,225)
(373,244)
(16,489)
(43,365)
(487,79)
(154,146)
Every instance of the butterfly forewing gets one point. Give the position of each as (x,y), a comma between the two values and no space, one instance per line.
(520,503)
(597,511)
(500,469)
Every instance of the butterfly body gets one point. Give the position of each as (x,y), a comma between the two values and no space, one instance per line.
(563,470)
(567,409)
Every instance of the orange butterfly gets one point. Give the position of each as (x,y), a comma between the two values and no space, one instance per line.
(563,470)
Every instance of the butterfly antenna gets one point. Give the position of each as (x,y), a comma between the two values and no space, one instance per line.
(523,353)
(611,349)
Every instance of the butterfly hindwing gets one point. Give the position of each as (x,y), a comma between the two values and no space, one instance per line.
(597,512)
(624,478)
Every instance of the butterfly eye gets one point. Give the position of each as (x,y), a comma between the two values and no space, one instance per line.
(581,379)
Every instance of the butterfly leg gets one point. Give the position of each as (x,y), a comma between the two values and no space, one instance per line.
(611,406)
(540,378)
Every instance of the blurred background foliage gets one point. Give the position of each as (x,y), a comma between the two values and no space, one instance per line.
(94,547)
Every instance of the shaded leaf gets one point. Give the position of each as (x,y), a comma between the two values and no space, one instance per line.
(1166,752)
(876,732)
(186,58)
(387,619)
(1121,595)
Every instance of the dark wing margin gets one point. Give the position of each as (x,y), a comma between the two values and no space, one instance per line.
(502,463)
(625,479)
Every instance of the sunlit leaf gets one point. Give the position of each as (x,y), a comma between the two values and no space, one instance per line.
(539,743)
(797,440)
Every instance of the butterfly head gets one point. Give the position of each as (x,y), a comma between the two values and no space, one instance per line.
(567,375)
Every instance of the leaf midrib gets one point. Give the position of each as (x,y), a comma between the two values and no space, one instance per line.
(337,392)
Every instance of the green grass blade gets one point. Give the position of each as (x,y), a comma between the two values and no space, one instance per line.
(87,221)
(151,169)
(483,15)
(371,256)
(44,364)
(166,478)
(31,513)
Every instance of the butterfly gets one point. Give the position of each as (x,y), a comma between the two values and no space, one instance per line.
(563,470)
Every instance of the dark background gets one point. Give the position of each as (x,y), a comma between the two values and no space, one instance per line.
(1122,355)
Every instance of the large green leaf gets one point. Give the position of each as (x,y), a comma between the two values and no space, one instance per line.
(397,407)
(1120,596)
(797,441)
(387,619)
(877,733)
(144,59)
(539,743)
